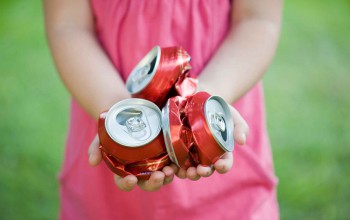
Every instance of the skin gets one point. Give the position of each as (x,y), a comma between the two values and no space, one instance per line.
(94,83)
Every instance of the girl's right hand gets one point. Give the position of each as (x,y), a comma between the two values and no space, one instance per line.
(224,164)
(155,182)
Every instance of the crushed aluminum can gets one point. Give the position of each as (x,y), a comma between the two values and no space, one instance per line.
(130,138)
(197,129)
(211,123)
(160,72)
(177,136)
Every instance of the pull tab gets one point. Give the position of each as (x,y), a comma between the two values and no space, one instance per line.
(218,122)
(135,124)
(141,73)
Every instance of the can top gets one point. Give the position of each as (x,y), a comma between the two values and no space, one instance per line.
(133,122)
(166,133)
(219,120)
(144,71)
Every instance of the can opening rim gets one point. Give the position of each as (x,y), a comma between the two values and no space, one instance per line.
(227,145)
(166,133)
(110,123)
(154,53)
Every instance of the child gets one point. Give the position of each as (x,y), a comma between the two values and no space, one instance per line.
(95,45)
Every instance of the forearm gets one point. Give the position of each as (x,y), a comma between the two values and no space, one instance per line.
(83,66)
(243,57)
(86,71)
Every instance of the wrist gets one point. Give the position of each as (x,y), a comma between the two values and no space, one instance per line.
(106,103)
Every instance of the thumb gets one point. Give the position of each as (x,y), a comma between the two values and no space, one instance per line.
(241,128)
(95,155)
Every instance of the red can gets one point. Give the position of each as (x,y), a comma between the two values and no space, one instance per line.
(211,123)
(130,138)
(177,135)
(197,130)
(157,73)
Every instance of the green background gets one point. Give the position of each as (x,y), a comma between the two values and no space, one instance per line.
(307,103)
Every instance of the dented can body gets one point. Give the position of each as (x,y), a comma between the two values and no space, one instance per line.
(177,136)
(130,137)
(197,130)
(155,75)
(211,123)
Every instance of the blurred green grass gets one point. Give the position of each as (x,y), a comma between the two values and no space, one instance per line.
(33,112)
(308,107)
(307,103)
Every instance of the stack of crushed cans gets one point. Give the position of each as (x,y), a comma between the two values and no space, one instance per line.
(138,138)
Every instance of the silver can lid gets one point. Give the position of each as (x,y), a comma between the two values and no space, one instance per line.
(144,71)
(220,122)
(133,122)
(166,133)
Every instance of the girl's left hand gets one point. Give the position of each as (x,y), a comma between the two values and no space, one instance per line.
(154,183)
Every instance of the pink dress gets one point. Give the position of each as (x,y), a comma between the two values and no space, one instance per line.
(127,30)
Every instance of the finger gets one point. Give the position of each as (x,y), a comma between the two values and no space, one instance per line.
(192,174)
(241,128)
(154,183)
(175,167)
(225,163)
(169,174)
(181,173)
(127,183)
(95,155)
(205,171)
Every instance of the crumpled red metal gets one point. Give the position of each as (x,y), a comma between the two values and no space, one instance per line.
(139,161)
(186,86)
(208,149)
(171,77)
(192,141)
(181,134)
(141,169)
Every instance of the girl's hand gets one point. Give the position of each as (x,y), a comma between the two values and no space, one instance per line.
(155,182)
(223,165)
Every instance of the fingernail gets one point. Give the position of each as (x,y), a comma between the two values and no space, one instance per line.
(223,167)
